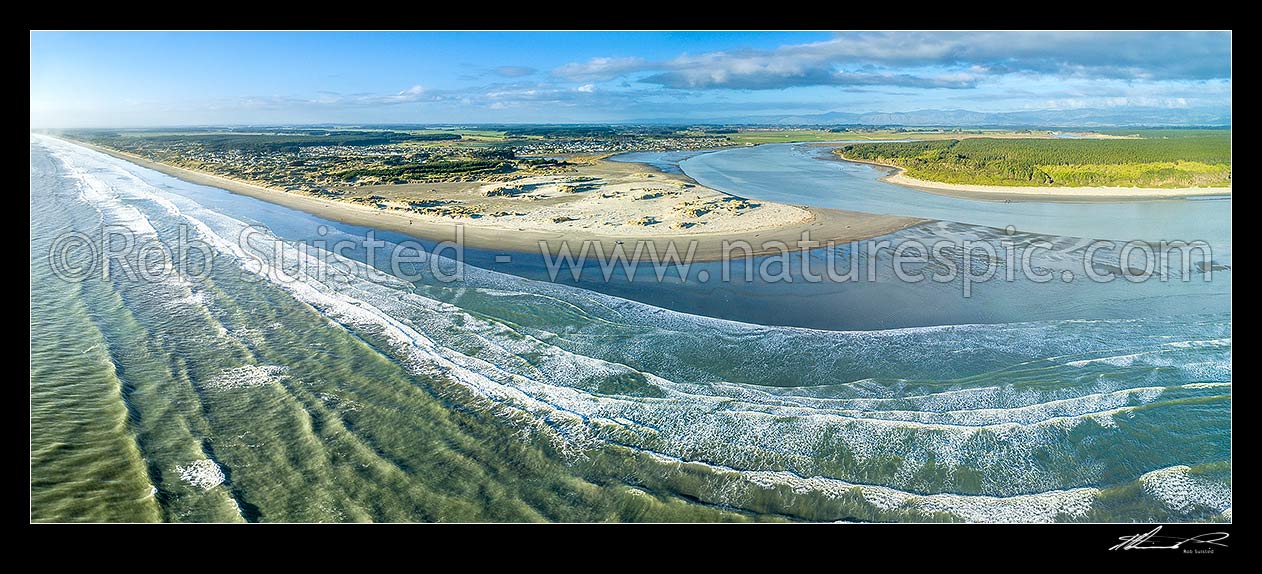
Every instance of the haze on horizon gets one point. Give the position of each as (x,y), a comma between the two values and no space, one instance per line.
(137,79)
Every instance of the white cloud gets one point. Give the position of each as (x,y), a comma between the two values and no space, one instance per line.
(932,60)
(598,69)
(514,71)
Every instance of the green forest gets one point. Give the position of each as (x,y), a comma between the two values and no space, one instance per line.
(1167,158)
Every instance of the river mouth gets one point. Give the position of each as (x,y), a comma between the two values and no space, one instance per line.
(347,397)
(1073,236)
(807,174)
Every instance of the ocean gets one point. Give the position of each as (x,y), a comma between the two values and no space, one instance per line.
(276,389)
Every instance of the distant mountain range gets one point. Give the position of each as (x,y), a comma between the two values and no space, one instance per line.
(1086,118)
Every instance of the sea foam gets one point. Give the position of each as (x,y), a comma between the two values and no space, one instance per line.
(988,423)
(244,377)
(204,474)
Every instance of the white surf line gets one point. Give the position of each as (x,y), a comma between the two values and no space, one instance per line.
(376,316)
(1024,508)
(339,303)
(1179,490)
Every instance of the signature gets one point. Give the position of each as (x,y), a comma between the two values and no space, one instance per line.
(1151,541)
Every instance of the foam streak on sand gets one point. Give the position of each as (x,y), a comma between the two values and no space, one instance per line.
(1031,193)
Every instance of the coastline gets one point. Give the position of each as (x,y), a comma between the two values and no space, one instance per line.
(898,176)
(823,225)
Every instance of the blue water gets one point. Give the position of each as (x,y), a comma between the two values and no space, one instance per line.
(504,396)
(666,161)
(807,174)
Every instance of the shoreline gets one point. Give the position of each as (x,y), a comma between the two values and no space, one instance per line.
(1096,194)
(822,224)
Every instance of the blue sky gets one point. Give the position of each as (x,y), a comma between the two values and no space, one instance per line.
(81,79)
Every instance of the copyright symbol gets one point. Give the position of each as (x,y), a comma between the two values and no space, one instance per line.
(62,261)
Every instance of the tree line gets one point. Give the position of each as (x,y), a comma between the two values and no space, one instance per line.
(1196,160)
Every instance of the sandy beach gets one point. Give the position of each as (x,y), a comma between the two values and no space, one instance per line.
(609,203)
(898,176)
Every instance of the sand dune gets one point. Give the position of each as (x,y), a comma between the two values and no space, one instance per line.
(607,202)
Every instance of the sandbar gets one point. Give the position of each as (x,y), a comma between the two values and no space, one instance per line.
(898,176)
(610,203)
